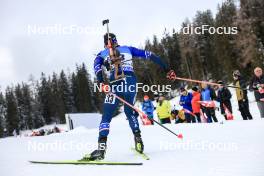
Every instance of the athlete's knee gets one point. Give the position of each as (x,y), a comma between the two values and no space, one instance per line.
(129,111)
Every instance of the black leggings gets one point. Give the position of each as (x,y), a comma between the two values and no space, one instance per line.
(210,113)
(190,118)
(198,117)
(244,109)
(166,120)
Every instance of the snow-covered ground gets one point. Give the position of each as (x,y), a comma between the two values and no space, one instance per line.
(218,149)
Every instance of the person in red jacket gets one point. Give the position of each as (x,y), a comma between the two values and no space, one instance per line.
(195,103)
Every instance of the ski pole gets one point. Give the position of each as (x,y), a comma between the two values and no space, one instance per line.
(144,115)
(207,82)
(178,135)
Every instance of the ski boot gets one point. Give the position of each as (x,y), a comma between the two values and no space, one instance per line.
(98,154)
(139,146)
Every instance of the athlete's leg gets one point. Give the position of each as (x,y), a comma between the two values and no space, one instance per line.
(110,105)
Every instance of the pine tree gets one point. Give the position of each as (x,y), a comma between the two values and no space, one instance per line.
(2,114)
(38,119)
(12,119)
(83,91)
(27,106)
(226,52)
(45,99)
(20,107)
(65,92)
(37,116)
(205,46)
(57,107)
(249,41)
(170,43)
(253,11)
(74,91)
(189,53)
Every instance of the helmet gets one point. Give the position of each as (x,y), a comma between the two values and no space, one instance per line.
(112,37)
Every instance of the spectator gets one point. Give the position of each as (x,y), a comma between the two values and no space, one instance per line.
(223,97)
(208,94)
(241,93)
(148,108)
(186,103)
(156,97)
(196,107)
(178,116)
(163,110)
(257,84)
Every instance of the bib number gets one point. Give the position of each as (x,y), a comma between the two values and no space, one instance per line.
(110,99)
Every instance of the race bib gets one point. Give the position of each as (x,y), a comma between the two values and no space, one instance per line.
(110,99)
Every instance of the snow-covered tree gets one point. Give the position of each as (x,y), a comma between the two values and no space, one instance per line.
(2,114)
(12,119)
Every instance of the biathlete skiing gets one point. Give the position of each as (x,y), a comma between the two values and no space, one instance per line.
(118,61)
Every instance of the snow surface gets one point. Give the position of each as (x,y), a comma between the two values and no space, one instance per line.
(226,148)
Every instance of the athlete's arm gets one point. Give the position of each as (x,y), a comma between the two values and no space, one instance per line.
(148,55)
(98,62)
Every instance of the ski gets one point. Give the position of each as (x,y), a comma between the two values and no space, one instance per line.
(76,162)
(142,155)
